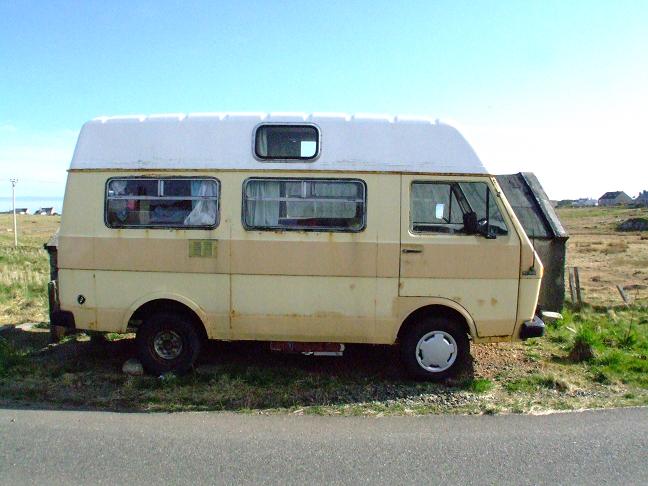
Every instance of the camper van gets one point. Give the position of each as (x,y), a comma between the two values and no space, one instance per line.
(306,231)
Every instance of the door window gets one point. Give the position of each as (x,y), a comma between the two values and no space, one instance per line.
(454,207)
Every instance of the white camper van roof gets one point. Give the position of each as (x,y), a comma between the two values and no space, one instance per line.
(225,141)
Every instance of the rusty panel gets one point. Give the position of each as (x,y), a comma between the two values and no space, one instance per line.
(315,258)
(462,257)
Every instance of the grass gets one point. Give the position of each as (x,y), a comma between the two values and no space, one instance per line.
(535,382)
(480,385)
(24,270)
(10,357)
(606,257)
(619,340)
(247,378)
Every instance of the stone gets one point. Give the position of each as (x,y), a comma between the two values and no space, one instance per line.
(133,367)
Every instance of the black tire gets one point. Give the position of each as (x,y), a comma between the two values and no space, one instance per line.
(176,337)
(441,327)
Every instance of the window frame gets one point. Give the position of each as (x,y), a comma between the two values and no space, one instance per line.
(318,142)
(163,198)
(310,229)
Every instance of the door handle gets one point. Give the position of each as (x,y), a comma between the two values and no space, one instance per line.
(412,250)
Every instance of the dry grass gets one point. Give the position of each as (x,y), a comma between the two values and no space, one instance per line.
(606,257)
(24,271)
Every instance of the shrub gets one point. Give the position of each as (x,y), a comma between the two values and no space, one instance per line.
(583,345)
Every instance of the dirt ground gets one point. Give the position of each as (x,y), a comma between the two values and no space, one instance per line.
(607,257)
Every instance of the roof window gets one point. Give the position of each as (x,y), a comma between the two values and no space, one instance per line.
(286,142)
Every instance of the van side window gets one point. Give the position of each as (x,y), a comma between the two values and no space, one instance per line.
(304,204)
(443,207)
(283,142)
(175,202)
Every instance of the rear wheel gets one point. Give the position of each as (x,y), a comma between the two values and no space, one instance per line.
(435,348)
(166,342)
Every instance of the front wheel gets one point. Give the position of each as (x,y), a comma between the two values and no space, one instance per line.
(435,348)
(167,342)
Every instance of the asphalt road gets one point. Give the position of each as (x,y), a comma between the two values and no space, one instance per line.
(56,447)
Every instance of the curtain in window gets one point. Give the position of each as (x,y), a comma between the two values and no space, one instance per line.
(204,210)
(323,208)
(261,212)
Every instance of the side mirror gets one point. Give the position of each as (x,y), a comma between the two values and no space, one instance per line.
(471,227)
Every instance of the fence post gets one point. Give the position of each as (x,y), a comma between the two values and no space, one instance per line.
(574,287)
(623,294)
(579,297)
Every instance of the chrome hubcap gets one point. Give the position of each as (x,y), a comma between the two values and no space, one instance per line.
(167,344)
(436,351)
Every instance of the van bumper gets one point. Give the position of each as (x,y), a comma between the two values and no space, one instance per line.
(533,328)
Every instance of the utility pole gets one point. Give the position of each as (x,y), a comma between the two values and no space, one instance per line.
(13,197)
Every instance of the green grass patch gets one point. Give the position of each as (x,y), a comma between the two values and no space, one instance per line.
(534,383)
(10,357)
(619,340)
(480,385)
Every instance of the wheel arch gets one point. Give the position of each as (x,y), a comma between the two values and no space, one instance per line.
(168,303)
(448,309)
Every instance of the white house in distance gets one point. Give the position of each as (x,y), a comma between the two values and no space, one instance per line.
(615,198)
(642,198)
(18,211)
(46,212)
(585,202)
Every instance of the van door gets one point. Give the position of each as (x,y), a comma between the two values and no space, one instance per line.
(304,260)
(439,258)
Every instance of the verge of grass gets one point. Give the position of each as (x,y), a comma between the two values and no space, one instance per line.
(619,340)
(24,270)
(535,382)
(10,357)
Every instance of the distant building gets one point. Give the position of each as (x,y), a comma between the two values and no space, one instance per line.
(614,198)
(642,198)
(46,212)
(563,203)
(18,211)
(584,202)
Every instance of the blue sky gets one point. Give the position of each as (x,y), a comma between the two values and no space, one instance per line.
(559,88)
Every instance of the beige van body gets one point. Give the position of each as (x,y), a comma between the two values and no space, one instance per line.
(289,285)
